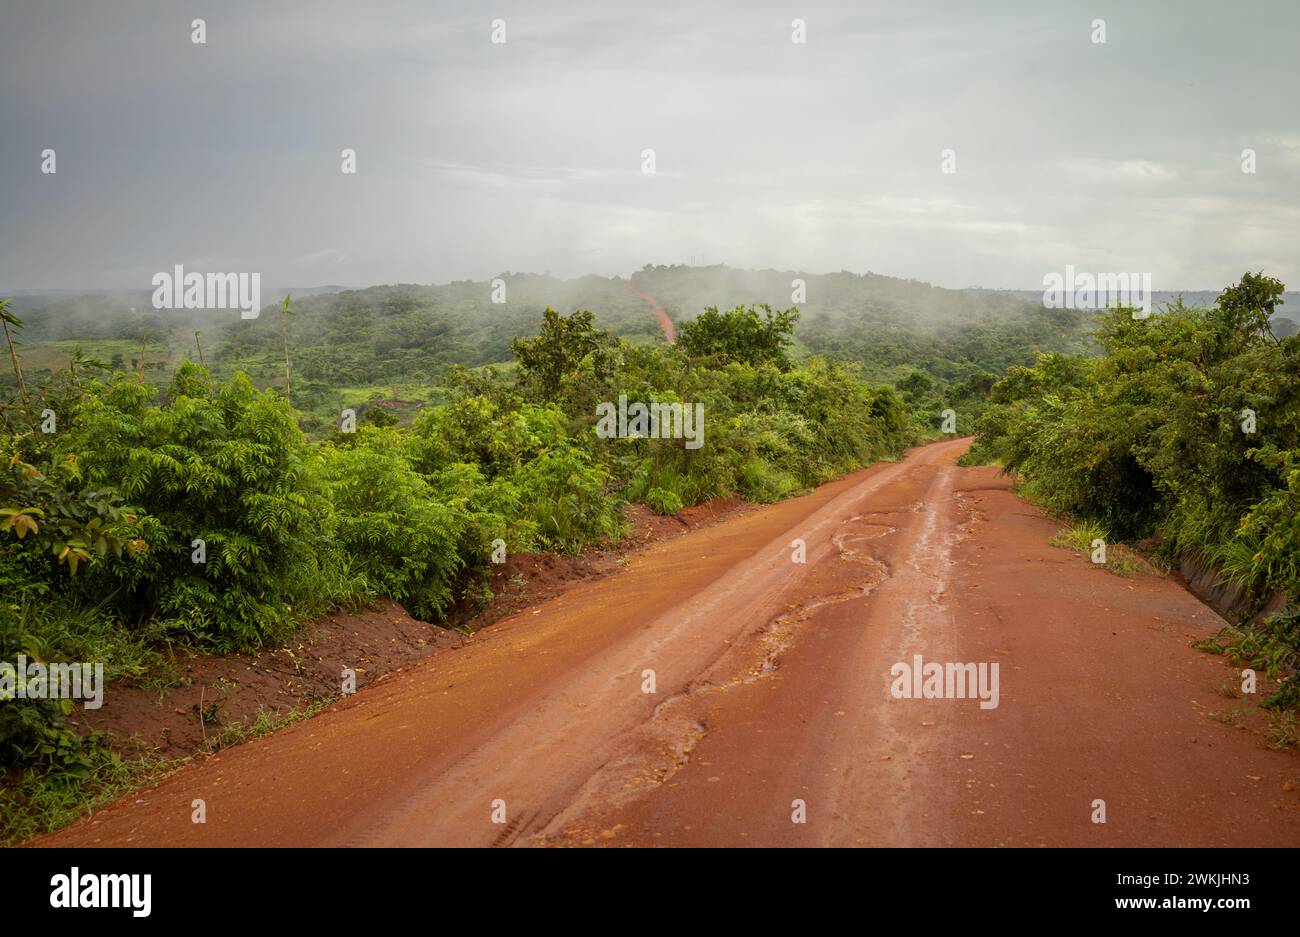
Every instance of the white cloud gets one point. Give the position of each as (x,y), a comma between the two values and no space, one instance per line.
(475,158)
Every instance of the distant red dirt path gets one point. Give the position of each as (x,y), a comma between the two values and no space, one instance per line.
(665,322)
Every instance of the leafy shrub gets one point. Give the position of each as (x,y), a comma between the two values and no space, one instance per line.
(55,524)
(398,536)
(34,731)
(566,498)
(663,501)
(225,464)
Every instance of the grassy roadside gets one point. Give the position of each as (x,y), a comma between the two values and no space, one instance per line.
(1093,541)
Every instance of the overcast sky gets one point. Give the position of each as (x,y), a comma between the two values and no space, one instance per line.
(474,157)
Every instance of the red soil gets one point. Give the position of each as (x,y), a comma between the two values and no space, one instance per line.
(772,686)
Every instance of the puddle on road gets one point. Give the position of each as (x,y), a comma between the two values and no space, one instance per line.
(780,632)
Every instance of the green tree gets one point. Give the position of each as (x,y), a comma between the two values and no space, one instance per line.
(740,334)
(558,350)
(1251,303)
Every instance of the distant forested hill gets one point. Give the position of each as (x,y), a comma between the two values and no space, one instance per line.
(411,331)
(396,342)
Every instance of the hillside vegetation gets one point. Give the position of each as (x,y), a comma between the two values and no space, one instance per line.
(394,346)
(1186,430)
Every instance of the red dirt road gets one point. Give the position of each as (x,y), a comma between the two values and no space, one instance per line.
(665,321)
(772,685)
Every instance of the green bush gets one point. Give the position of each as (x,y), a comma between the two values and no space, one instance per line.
(663,501)
(399,539)
(566,498)
(222,463)
(33,731)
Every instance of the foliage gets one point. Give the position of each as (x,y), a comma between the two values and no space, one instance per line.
(351,348)
(533,475)
(222,464)
(1271,647)
(741,335)
(400,540)
(1188,428)
(73,525)
(562,346)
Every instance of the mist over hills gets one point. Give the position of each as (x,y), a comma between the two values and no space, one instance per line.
(459,321)
(403,337)
(682,290)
